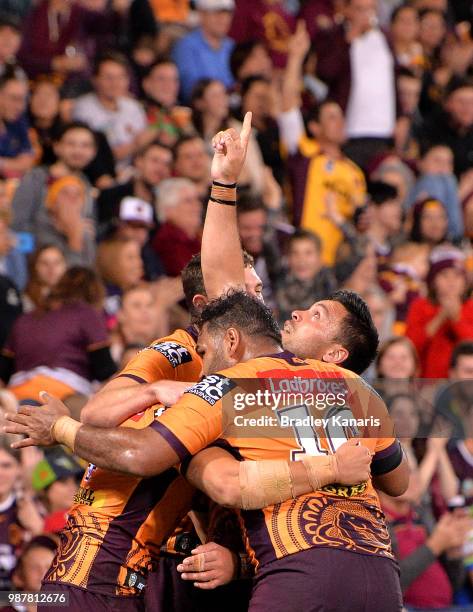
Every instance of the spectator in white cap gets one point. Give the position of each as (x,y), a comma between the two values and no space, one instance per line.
(135,222)
(205,52)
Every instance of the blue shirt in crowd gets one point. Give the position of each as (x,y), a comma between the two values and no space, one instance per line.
(15,140)
(196,60)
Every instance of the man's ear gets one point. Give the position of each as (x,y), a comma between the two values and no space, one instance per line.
(233,341)
(335,354)
(199,301)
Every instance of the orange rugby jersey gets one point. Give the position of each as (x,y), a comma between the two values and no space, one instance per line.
(116,525)
(336,516)
(171,358)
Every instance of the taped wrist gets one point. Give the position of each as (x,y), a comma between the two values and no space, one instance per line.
(65,431)
(321,471)
(264,483)
(223,194)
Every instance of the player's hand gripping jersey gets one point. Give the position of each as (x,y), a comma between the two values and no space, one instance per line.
(340,517)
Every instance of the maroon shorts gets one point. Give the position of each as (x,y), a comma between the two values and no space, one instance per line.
(81,600)
(328,580)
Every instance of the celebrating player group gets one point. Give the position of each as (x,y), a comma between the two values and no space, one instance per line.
(183,508)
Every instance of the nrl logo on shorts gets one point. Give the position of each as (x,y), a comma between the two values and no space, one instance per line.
(174,353)
(212,388)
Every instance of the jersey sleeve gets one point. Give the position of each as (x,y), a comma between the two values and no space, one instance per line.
(197,419)
(164,360)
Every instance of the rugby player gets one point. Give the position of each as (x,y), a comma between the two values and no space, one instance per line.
(329,549)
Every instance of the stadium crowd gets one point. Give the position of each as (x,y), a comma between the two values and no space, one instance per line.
(358,175)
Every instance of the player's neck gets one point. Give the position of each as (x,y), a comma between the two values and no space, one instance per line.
(263,348)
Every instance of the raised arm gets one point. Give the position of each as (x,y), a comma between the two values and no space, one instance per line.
(222,260)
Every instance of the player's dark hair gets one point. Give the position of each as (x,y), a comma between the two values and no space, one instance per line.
(358,333)
(462,349)
(380,192)
(193,281)
(243,311)
(301,234)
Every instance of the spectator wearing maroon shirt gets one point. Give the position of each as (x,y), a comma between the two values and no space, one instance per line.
(180,212)
(264,20)
(437,322)
(63,346)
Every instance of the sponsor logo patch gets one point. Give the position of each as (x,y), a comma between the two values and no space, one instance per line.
(175,353)
(212,388)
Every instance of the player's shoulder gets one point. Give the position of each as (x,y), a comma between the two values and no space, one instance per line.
(178,348)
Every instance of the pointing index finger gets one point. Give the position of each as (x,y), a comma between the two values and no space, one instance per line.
(246,130)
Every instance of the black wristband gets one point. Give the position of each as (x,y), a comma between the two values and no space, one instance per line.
(225,202)
(231,186)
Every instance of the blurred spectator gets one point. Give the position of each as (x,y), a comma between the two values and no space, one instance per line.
(16,156)
(453,403)
(179,212)
(192,161)
(305,280)
(205,52)
(10,40)
(111,110)
(381,310)
(67,227)
(429,222)
(45,120)
(257,97)
(453,125)
(19,517)
(356,62)
(250,58)
(137,320)
(56,478)
(33,563)
(258,240)
(210,113)
(135,221)
(46,267)
(405,34)
(397,365)
(409,120)
(151,165)
(385,217)
(438,181)
(12,260)
(68,360)
(120,266)
(432,31)
(436,323)
(10,307)
(166,121)
(75,147)
(395,172)
(62,37)
(270,22)
(403,279)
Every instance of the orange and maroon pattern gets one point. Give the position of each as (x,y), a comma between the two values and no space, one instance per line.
(339,517)
(117,524)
